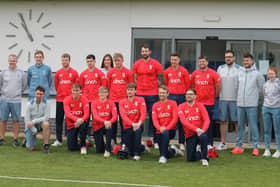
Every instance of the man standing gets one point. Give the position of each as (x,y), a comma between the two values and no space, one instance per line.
(207,84)
(228,96)
(195,120)
(177,79)
(64,79)
(12,85)
(148,75)
(76,110)
(250,84)
(104,115)
(165,117)
(39,75)
(36,120)
(118,78)
(133,113)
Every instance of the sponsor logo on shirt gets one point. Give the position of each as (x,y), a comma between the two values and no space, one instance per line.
(201,82)
(175,81)
(134,111)
(90,82)
(103,114)
(193,118)
(164,115)
(77,113)
(118,81)
(64,82)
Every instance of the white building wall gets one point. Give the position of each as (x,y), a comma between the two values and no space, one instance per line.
(99,27)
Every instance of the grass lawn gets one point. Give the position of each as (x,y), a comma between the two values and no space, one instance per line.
(227,170)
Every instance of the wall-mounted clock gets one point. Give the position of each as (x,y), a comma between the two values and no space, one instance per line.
(29,32)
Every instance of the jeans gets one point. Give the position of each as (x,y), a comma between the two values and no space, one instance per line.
(179,98)
(209,132)
(59,117)
(191,143)
(115,126)
(150,100)
(31,140)
(163,142)
(271,116)
(132,140)
(72,137)
(252,115)
(99,140)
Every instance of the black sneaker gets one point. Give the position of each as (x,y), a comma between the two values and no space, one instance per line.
(2,141)
(16,143)
(46,148)
(24,143)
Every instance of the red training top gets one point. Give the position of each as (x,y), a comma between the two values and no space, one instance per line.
(117,81)
(193,117)
(147,82)
(63,82)
(178,81)
(204,84)
(91,81)
(165,115)
(75,109)
(102,112)
(132,112)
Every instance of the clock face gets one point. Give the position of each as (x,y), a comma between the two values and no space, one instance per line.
(30,32)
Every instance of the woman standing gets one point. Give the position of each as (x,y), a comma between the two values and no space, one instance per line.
(107,64)
(271,111)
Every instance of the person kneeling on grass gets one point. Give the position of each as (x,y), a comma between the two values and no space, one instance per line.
(133,112)
(195,120)
(104,115)
(165,117)
(76,109)
(36,119)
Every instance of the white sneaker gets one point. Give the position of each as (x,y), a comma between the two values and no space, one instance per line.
(83,150)
(56,143)
(156,146)
(182,147)
(198,148)
(276,154)
(204,162)
(162,160)
(136,158)
(106,154)
(209,147)
(177,151)
(221,147)
(267,153)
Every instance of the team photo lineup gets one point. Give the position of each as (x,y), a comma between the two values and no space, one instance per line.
(116,98)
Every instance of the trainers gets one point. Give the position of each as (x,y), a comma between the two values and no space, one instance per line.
(46,148)
(255,152)
(237,150)
(83,150)
(267,153)
(136,158)
(156,146)
(204,162)
(56,143)
(16,143)
(276,154)
(221,147)
(177,151)
(162,160)
(106,154)
(2,141)
(182,147)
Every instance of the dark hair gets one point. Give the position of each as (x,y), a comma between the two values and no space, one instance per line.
(131,85)
(66,55)
(77,85)
(40,88)
(230,51)
(90,56)
(111,58)
(191,89)
(248,55)
(146,46)
(39,52)
(103,89)
(164,87)
(174,54)
(203,57)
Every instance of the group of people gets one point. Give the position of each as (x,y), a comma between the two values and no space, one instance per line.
(172,99)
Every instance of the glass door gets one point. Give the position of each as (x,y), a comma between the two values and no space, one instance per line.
(239,48)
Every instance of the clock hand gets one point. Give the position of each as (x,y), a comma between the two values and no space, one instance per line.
(25,27)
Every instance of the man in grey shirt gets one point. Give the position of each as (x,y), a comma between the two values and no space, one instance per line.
(36,120)
(13,82)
